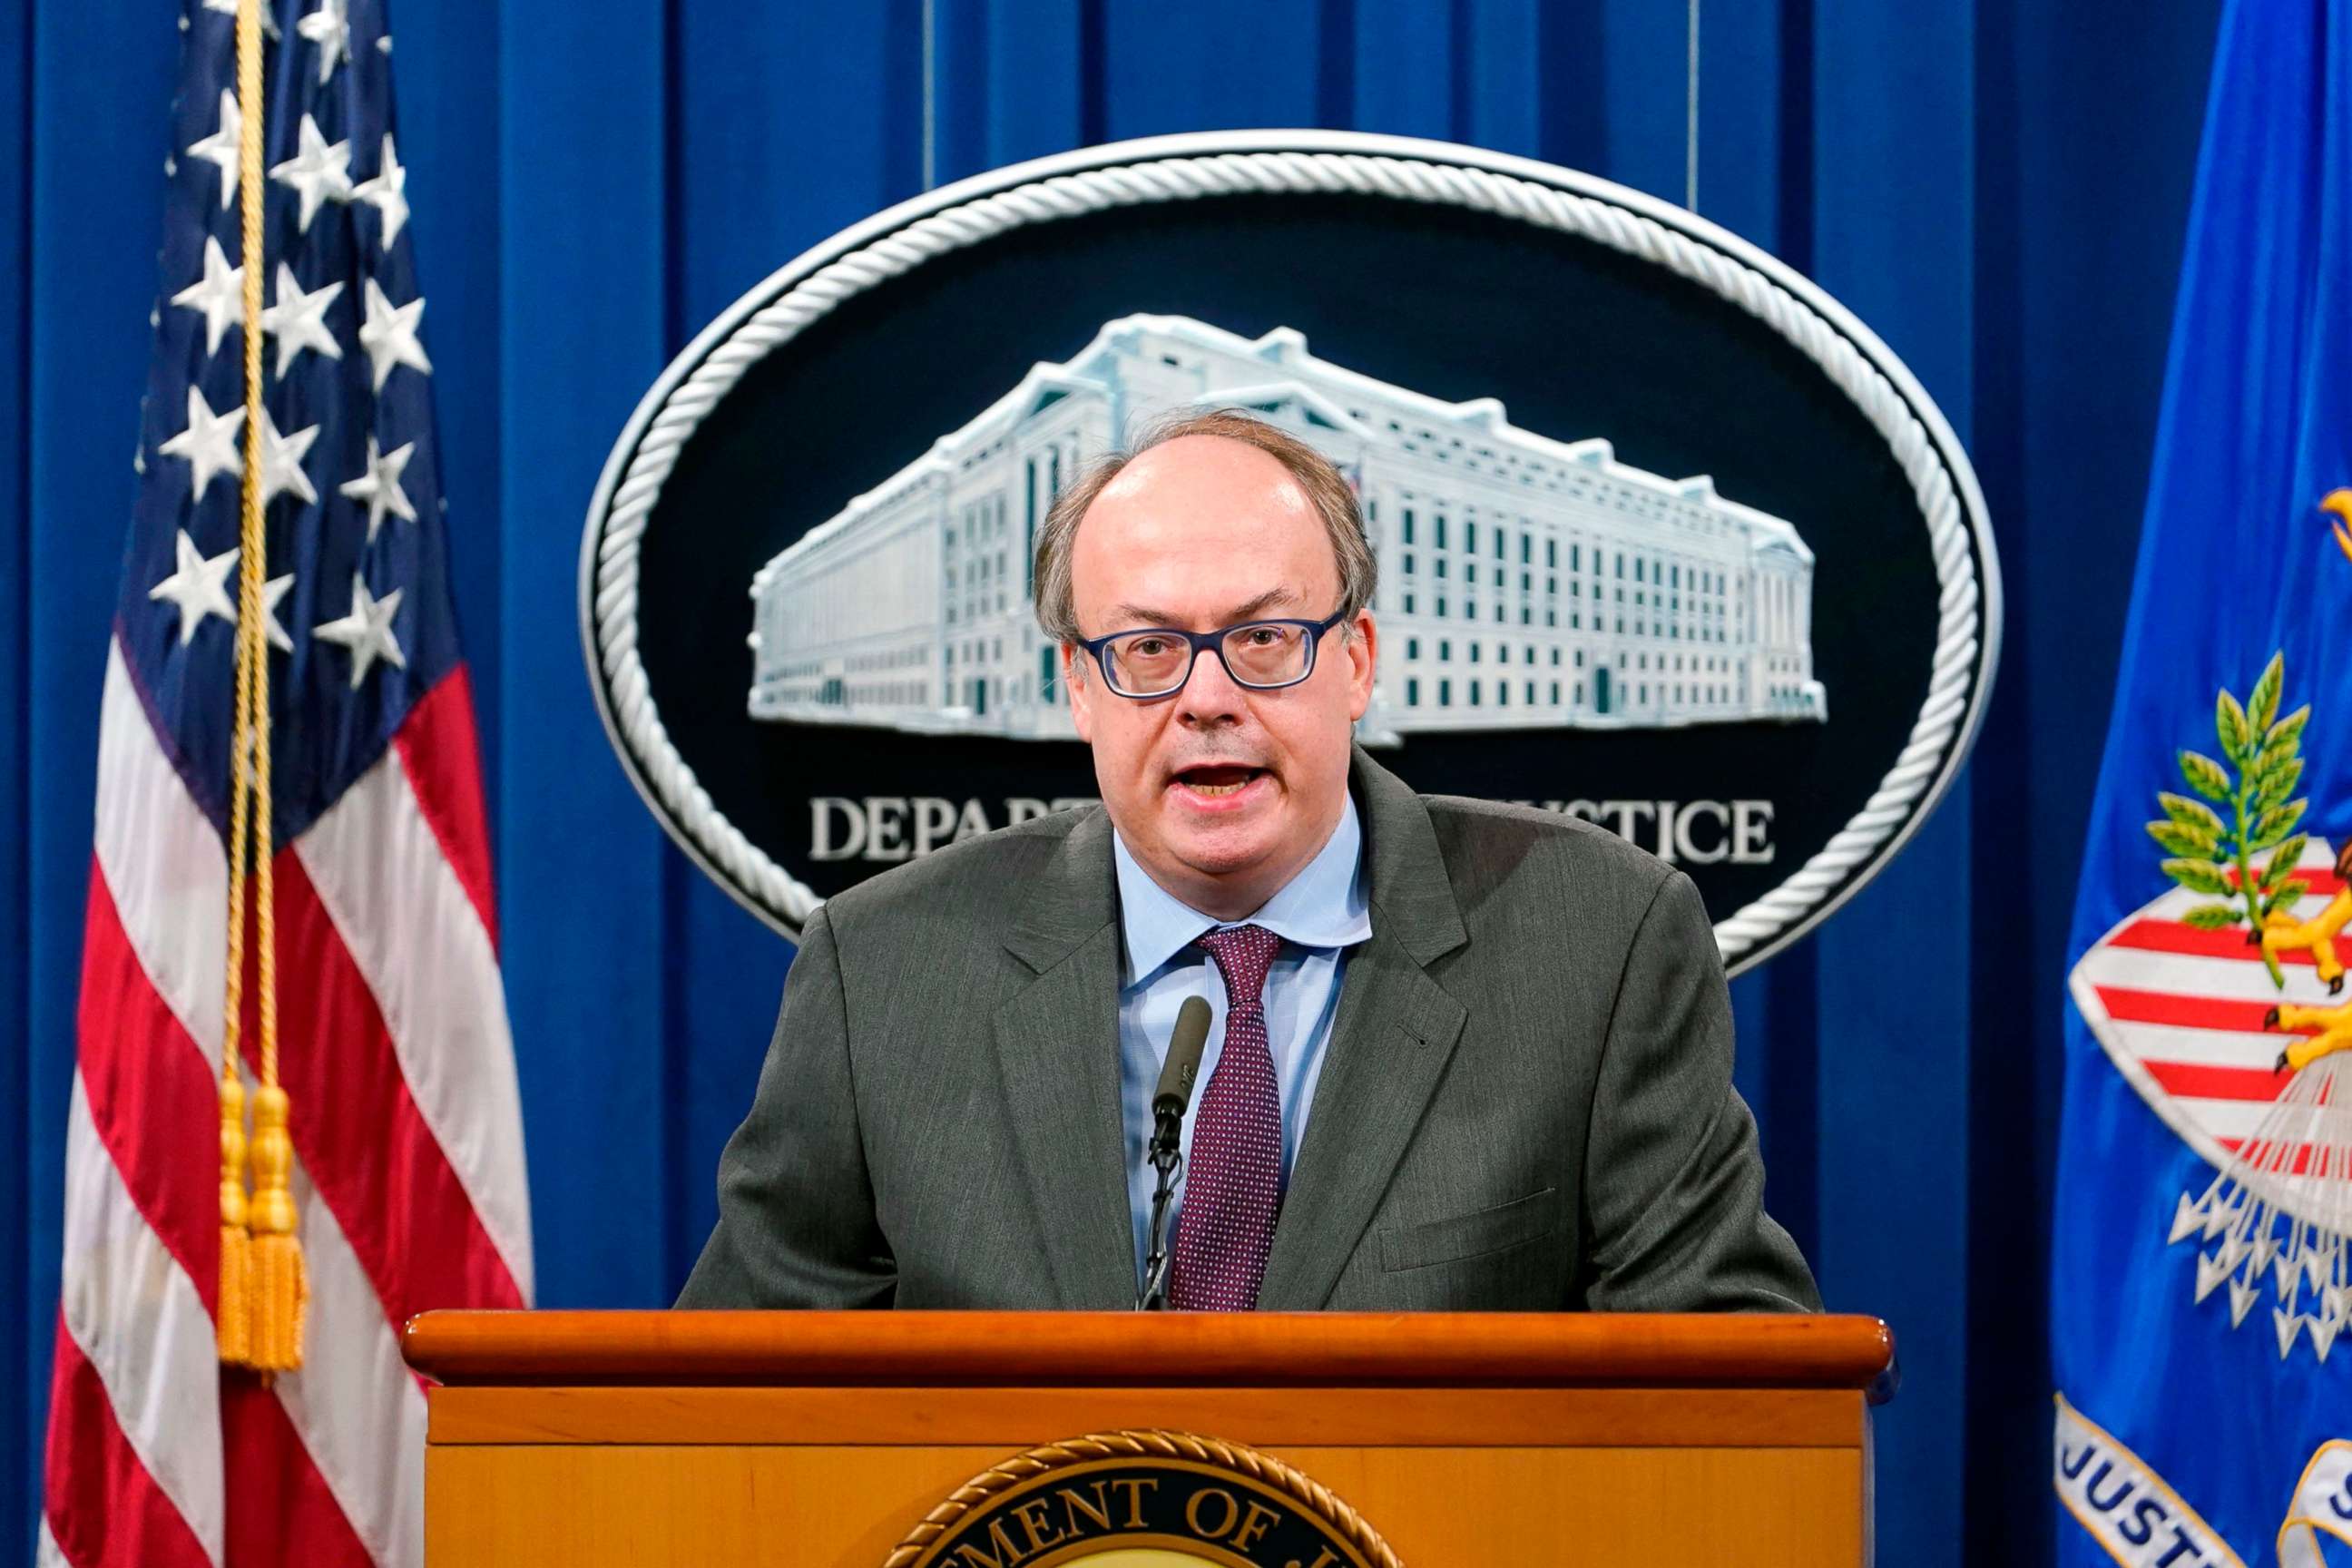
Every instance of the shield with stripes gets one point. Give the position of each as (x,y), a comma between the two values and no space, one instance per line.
(2232,1035)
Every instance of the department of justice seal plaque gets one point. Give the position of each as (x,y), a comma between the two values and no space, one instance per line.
(1142,1500)
(1667,540)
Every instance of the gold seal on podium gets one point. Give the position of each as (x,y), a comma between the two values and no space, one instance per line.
(1142,1500)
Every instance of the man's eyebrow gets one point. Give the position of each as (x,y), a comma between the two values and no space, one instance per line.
(1144,616)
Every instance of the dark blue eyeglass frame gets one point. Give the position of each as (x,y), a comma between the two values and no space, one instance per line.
(1210,642)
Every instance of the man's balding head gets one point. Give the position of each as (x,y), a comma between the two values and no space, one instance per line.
(1319,481)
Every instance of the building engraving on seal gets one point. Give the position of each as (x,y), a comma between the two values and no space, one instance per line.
(1525,582)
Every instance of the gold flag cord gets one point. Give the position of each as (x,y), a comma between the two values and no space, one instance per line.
(262,1289)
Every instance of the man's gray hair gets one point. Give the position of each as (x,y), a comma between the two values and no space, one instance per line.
(1327,488)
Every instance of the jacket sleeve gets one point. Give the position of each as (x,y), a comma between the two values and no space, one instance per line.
(1674,1184)
(796,1223)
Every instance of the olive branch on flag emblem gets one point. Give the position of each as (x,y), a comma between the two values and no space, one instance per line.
(2215,855)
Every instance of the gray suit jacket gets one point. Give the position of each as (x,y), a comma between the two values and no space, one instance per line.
(1526,1101)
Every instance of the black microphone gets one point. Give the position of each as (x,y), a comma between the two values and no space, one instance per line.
(1168,1103)
(1174,1095)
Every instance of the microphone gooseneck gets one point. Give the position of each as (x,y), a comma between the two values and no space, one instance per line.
(1169,1102)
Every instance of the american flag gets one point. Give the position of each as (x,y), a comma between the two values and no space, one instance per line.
(392,1035)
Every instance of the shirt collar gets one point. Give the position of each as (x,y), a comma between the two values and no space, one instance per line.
(1323,906)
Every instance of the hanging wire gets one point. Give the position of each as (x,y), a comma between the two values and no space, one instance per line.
(1690,115)
(930,95)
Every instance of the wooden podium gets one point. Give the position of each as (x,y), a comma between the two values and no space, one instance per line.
(721,1439)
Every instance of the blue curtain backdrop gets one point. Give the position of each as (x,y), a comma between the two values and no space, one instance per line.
(1999,188)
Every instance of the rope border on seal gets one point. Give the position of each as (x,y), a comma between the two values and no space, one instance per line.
(1145,1443)
(610,596)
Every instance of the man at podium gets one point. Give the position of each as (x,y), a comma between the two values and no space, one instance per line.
(1460,1055)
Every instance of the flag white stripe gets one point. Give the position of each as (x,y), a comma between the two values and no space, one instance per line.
(2202,1047)
(355,1403)
(140,1323)
(2218,979)
(163,863)
(46,1551)
(420,945)
(2238,1118)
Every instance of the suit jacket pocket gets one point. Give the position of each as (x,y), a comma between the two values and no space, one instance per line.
(1496,1229)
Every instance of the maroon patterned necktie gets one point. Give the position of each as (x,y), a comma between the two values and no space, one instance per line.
(1232,1183)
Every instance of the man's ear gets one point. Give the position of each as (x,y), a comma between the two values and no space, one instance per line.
(1362,645)
(1081,695)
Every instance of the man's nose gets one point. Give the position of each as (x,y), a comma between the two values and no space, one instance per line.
(1210,697)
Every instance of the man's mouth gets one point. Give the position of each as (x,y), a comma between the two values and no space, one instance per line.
(1217,778)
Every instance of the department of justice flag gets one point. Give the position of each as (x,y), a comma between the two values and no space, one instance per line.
(393,1041)
(2202,1291)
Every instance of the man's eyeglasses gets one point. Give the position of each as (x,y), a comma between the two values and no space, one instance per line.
(1264,656)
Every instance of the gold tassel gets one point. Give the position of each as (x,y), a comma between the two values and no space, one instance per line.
(279,1289)
(233,1322)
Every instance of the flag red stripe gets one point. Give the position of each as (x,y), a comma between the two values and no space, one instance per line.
(2320,880)
(2299,1166)
(2128,1006)
(439,752)
(279,1509)
(2202,1081)
(103,1508)
(2171,936)
(151,1095)
(357,1130)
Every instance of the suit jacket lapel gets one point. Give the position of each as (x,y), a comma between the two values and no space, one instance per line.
(1390,1045)
(1395,1032)
(1058,1051)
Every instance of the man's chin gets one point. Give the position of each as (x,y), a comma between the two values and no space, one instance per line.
(1220,844)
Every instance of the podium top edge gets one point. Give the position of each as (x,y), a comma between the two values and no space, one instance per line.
(976,1348)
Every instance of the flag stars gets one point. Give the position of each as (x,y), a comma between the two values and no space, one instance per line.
(272,629)
(209,443)
(218,295)
(281,461)
(387,192)
(366,631)
(299,321)
(198,589)
(330,27)
(319,171)
(389,335)
(221,148)
(379,487)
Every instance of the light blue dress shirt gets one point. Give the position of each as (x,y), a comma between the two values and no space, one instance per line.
(1320,915)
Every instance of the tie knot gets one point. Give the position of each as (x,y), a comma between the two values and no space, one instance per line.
(1243,955)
